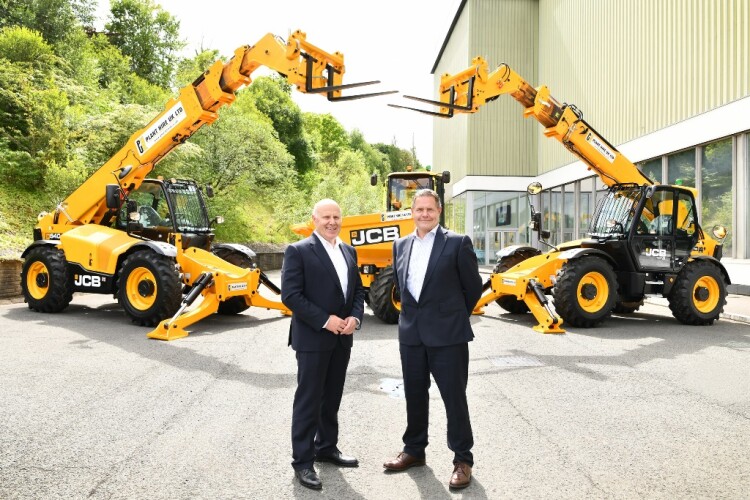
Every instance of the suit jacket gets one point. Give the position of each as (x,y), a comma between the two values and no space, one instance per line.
(311,288)
(452,287)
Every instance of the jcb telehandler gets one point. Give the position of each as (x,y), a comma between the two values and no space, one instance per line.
(372,235)
(644,238)
(148,240)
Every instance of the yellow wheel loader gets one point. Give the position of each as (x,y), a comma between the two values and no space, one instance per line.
(644,238)
(149,241)
(372,236)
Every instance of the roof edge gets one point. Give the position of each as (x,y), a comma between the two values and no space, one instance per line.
(448,35)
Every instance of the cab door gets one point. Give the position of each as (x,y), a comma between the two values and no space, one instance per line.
(652,242)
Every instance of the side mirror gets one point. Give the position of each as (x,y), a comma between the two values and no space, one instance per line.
(719,232)
(446,177)
(217,220)
(374,180)
(112,196)
(534,188)
(209,190)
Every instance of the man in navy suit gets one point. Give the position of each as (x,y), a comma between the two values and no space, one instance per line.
(320,283)
(437,277)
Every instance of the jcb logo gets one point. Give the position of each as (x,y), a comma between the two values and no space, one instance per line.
(374,235)
(88,281)
(656,253)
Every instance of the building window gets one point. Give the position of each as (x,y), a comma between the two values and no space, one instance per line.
(568,212)
(652,169)
(551,213)
(455,214)
(681,168)
(524,232)
(586,205)
(716,188)
(480,225)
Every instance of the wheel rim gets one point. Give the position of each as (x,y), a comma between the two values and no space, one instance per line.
(141,288)
(707,287)
(396,303)
(595,283)
(37,280)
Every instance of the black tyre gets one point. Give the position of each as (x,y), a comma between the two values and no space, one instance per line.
(699,294)
(509,303)
(628,307)
(45,281)
(233,305)
(382,300)
(149,287)
(585,292)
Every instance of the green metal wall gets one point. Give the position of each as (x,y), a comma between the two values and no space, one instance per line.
(636,66)
(497,140)
(632,66)
(450,136)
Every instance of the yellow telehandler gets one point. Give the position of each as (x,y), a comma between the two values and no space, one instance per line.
(644,238)
(149,241)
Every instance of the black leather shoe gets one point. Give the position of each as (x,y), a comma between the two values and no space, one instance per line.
(338,458)
(308,478)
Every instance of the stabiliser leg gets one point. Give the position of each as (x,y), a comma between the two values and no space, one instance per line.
(538,304)
(174,328)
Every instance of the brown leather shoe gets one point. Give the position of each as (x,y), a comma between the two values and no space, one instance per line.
(402,462)
(461,475)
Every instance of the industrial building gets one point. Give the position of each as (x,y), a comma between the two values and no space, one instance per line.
(667,82)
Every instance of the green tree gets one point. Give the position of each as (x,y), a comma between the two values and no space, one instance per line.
(19,44)
(54,19)
(32,107)
(251,171)
(329,137)
(375,160)
(188,69)
(398,159)
(273,98)
(346,181)
(149,36)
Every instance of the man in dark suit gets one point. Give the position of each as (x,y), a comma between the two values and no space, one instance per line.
(320,283)
(437,277)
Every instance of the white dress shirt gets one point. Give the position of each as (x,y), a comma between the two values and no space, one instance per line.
(339,262)
(420,256)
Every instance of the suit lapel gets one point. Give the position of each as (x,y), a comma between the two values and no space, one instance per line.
(437,249)
(321,253)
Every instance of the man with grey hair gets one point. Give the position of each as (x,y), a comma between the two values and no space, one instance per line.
(437,277)
(321,285)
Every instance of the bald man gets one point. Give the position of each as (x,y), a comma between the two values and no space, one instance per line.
(321,285)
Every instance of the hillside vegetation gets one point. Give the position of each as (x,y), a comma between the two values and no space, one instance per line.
(71,97)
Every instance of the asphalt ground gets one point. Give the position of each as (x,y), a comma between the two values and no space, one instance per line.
(641,407)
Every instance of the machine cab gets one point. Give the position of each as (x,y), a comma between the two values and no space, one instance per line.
(665,230)
(403,185)
(161,208)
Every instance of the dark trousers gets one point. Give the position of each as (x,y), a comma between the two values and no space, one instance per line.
(320,385)
(449,366)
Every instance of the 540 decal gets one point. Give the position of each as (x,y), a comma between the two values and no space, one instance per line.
(374,235)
